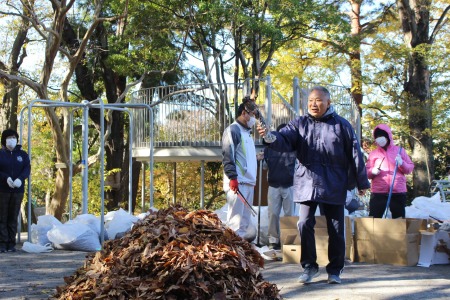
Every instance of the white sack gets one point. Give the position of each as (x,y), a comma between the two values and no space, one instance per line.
(36,248)
(88,219)
(74,236)
(252,230)
(425,207)
(39,230)
(119,221)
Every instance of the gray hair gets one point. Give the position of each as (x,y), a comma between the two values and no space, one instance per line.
(321,89)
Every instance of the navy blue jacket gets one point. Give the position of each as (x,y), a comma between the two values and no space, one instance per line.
(281,167)
(331,161)
(14,164)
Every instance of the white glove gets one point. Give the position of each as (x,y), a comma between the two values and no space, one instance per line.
(376,171)
(399,159)
(17,183)
(10,182)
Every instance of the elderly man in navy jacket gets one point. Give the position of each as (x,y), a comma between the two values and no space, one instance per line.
(331,163)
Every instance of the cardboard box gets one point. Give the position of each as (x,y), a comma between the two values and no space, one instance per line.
(288,229)
(290,240)
(430,252)
(363,240)
(322,249)
(388,241)
(396,241)
(349,244)
(291,254)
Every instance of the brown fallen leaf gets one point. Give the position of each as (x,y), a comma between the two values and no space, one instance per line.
(172,254)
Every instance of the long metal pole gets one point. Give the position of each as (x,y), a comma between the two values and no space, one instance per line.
(29,176)
(202,185)
(259,202)
(102,172)
(19,217)
(151,158)
(174,174)
(71,166)
(84,161)
(142,187)
(130,162)
(296,94)
(268,103)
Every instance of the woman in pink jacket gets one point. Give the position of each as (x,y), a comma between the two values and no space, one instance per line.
(380,169)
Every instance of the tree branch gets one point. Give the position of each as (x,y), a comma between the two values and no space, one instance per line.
(33,85)
(441,22)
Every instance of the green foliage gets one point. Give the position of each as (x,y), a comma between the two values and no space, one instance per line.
(188,185)
(386,61)
(305,39)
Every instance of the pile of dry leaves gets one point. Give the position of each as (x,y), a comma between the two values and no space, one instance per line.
(172,254)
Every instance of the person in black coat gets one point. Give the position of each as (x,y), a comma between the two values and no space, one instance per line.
(14,169)
(280,177)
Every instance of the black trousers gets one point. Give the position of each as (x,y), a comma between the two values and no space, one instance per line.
(334,215)
(378,202)
(9,213)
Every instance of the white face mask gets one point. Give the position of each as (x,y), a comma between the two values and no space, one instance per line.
(251,122)
(381,141)
(11,143)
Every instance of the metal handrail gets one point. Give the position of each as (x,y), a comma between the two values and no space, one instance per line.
(195,115)
(442,187)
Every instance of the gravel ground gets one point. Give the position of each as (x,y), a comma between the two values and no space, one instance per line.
(35,276)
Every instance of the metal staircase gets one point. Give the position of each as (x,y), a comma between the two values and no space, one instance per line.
(188,120)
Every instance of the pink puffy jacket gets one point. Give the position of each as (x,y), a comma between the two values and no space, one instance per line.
(381,183)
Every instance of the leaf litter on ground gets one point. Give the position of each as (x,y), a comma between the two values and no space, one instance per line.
(172,254)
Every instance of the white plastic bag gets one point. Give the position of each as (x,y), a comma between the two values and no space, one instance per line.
(48,220)
(36,248)
(74,236)
(88,219)
(39,230)
(118,222)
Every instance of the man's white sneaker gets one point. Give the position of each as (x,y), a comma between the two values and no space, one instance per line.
(309,273)
(334,279)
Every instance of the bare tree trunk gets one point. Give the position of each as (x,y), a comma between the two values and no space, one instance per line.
(420,124)
(136,169)
(355,53)
(415,18)
(60,195)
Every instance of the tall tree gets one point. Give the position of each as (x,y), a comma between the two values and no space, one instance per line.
(415,24)
(52,35)
(9,107)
